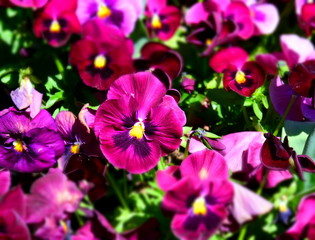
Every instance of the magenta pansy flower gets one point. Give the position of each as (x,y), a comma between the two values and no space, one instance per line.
(103,55)
(199,207)
(52,196)
(119,13)
(240,75)
(57,21)
(29,145)
(162,19)
(138,124)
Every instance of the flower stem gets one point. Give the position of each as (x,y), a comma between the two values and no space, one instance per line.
(186,149)
(287,110)
(117,191)
(263,182)
(242,234)
(245,115)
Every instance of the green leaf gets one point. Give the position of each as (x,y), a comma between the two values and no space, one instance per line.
(257,111)
(58,96)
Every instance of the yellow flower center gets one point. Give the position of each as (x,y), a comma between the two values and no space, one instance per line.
(208,41)
(19,146)
(137,130)
(240,77)
(55,27)
(75,148)
(103,11)
(156,22)
(199,206)
(100,61)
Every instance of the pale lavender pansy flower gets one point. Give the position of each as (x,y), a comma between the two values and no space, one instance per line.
(29,145)
(26,96)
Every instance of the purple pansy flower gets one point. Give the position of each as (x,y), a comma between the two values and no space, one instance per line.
(29,145)
(103,55)
(57,21)
(240,75)
(138,124)
(119,13)
(162,19)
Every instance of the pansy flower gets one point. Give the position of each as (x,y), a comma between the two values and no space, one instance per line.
(138,124)
(240,75)
(199,208)
(304,226)
(119,13)
(103,55)
(279,155)
(156,55)
(56,22)
(162,19)
(29,145)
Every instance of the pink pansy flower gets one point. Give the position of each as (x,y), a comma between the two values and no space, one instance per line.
(240,75)
(162,19)
(56,22)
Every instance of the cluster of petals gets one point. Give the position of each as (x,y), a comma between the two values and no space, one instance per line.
(203,199)
(138,123)
(44,210)
(219,22)
(299,54)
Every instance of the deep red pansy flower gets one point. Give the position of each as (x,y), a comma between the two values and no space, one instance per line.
(279,155)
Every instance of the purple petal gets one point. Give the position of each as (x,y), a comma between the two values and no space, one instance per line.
(206,164)
(177,197)
(43,120)
(15,227)
(247,205)
(15,200)
(5,181)
(228,56)
(143,86)
(307,109)
(13,122)
(266,17)
(196,14)
(52,195)
(65,121)
(280,95)
(296,49)
(166,178)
